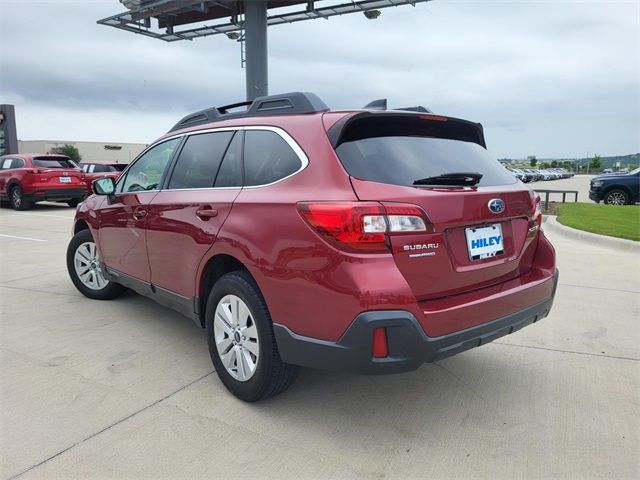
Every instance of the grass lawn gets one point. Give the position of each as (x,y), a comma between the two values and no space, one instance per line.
(616,221)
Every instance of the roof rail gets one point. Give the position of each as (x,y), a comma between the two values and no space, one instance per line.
(382,105)
(286,103)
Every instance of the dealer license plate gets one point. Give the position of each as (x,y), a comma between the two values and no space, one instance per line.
(65,179)
(485,242)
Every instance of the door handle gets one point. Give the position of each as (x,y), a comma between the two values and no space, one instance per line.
(139,213)
(205,213)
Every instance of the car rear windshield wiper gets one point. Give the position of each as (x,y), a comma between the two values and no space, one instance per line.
(453,178)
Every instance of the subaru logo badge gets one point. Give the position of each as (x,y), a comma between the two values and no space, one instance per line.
(496,205)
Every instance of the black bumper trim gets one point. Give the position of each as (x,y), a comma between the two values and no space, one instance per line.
(56,194)
(409,346)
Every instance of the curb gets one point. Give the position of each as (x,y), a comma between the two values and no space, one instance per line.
(551,223)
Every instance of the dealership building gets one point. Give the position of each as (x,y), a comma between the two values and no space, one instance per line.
(111,152)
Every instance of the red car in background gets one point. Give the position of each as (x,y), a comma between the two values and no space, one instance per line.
(35,177)
(93,170)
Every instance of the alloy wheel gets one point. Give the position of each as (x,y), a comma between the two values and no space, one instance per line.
(616,198)
(236,337)
(16,198)
(87,265)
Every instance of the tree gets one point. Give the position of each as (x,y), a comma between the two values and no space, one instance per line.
(68,150)
(533,161)
(544,165)
(554,164)
(596,163)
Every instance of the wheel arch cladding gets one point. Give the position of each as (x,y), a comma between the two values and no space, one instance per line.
(80,225)
(216,267)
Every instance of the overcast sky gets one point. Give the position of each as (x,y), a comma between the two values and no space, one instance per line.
(545,78)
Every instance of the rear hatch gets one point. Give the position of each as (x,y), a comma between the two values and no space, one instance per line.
(479,234)
(58,172)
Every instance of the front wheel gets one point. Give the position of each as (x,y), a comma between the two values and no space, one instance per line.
(241,341)
(85,269)
(616,197)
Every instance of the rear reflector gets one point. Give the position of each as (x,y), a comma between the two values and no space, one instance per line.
(379,347)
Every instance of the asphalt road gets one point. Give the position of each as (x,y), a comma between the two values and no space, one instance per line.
(125,388)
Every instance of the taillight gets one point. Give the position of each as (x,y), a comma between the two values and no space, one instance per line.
(536,212)
(363,226)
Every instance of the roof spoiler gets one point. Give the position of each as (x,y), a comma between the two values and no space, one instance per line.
(381,104)
(364,124)
(286,103)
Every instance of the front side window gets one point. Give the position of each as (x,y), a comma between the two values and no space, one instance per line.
(230,171)
(267,158)
(146,173)
(200,160)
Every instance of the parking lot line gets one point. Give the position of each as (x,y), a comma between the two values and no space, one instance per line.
(22,238)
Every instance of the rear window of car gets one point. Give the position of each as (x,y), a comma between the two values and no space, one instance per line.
(53,163)
(384,153)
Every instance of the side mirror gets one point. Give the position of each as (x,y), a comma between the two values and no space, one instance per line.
(103,186)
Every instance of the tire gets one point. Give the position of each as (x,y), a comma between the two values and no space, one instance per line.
(616,197)
(16,197)
(270,375)
(74,203)
(81,257)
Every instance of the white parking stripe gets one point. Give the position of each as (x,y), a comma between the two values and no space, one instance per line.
(22,238)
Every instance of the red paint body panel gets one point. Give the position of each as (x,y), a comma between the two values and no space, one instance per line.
(122,235)
(176,236)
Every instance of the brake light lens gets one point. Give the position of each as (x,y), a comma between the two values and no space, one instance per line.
(536,212)
(363,226)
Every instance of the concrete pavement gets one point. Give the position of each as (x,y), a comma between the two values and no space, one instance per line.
(125,388)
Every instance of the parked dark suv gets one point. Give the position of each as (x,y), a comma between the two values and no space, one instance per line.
(368,241)
(616,189)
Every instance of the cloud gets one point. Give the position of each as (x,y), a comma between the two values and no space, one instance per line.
(545,78)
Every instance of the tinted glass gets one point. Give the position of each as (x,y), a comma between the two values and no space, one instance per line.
(402,160)
(146,173)
(230,172)
(17,163)
(53,163)
(267,158)
(98,168)
(199,160)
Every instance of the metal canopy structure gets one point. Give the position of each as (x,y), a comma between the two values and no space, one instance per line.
(242,20)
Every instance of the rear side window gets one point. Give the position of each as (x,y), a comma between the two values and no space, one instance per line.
(99,168)
(267,158)
(53,163)
(200,160)
(391,156)
(7,163)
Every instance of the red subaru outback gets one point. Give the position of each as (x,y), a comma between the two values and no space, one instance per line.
(29,178)
(368,241)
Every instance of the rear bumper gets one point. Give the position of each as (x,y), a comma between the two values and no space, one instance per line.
(56,194)
(408,345)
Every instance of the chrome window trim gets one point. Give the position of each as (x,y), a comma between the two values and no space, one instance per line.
(304,160)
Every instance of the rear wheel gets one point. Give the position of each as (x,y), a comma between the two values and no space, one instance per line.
(16,197)
(241,341)
(73,203)
(85,269)
(616,197)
